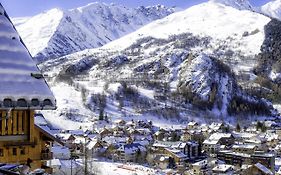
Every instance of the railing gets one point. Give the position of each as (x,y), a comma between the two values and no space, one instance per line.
(46,156)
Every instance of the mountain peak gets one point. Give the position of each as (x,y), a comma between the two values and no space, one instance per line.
(272,9)
(95,6)
(56,33)
(238,4)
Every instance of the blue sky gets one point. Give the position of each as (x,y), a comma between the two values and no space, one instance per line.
(17,8)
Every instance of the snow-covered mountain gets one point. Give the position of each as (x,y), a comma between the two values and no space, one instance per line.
(193,63)
(272,9)
(227,26)
(57,33)
(238,4)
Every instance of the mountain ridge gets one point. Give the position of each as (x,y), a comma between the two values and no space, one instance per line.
(82,28)
(272,9)
(239,4)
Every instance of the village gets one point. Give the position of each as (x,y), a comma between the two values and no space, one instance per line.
(217,148)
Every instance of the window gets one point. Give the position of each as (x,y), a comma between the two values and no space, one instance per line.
(22,151)
(1,152)
(14,151)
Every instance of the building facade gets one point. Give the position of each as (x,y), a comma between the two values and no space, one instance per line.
(22,91)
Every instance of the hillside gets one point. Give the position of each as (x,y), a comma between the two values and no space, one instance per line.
(195,64)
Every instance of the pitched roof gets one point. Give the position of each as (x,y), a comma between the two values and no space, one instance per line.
(22,84)
(41,124)
(264,169)
(222,168)
(131,148)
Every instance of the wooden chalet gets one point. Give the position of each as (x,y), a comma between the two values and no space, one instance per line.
(22,91)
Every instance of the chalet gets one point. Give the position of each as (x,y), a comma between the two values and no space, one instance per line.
(159,135)
(111,140)
(105,132)
(193,135)
(132,152)
(216,126)
(177,156)
(132,131)
(68,139)
(213,144)
(94,147)
(200,168)
(192,125)
(23,90)
(189,149)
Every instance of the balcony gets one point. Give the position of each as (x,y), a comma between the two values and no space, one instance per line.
(46,155)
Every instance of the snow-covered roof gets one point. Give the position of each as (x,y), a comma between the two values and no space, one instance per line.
(22,84)
(179,145)
(244,146)
(201,163)
(60,150)
(192,123)
(263,168)
(41,124)
(210,142)
(235,153)
(177,153)
(64,136)
(40,120)
(91,144)
(132,148)
(218,136)
(77,132)
(222,168)
(114,140)
(53,162)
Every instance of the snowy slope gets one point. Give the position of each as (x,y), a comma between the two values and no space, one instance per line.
(272,9)
(56,33)
(20,20)
(204,77)
(208,19)
(38,30)
(238,4)
(158,63)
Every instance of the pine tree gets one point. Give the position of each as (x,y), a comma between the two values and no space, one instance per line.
(101,115)
(238,127)
(263,128)
(259,125)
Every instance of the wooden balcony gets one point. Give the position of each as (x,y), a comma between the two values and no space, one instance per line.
(46,156)
(13,137)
